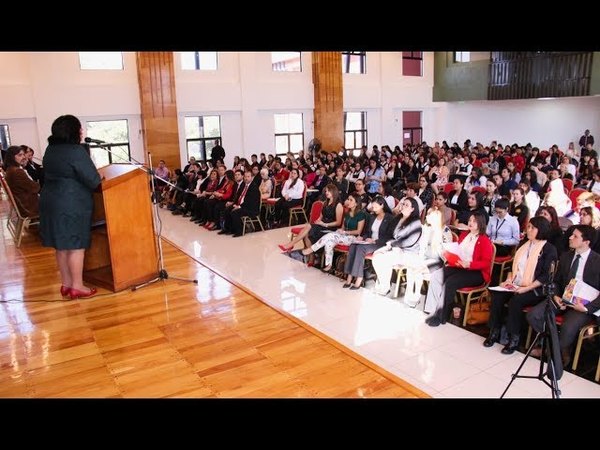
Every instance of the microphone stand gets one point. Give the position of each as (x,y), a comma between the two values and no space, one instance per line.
(162,272)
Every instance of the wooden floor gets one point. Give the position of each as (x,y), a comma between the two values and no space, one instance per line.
(170,339)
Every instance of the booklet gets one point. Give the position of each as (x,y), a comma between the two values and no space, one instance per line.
(579,292)
(505,288)
(451,253)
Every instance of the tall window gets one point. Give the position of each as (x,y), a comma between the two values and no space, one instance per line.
(355,130)
(354,62)
(462,56)
(199,60)
(286,62)
(101,60)
(4,137)
(412,64)
(412,130)
(289,133)
(116,134)
(200,135)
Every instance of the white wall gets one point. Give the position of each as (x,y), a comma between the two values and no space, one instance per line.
(246,93)
(38,87)
(541,122)
(384,93)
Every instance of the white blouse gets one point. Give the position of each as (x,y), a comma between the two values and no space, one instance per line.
(294,193)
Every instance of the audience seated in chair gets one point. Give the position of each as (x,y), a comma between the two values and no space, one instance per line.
(24,190)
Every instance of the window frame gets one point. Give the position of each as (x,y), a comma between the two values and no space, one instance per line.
(346,59)
(355,131)
(204,150)
(459,56)
(6,134)
(292,71)
(101,68)
(112,144)
(198,62)
(412,57)
(288,135)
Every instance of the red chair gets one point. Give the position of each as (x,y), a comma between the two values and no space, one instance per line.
(573,196)
(468,295)
(568,184)
(448,187)
(478,189)
(315,212)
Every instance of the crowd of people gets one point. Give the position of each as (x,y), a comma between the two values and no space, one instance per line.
(398,208)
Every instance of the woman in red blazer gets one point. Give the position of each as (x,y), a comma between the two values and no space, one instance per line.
(471,268)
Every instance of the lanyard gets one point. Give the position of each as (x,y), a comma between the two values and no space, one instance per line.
(498,226)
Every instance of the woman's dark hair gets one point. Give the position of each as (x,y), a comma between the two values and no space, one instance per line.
(543,227)
(478,199)
(550,209)
(11,152)
(380,200)
(335,195)
(358,201)
(65,130)
(414,215)
(293,183)
(481,223)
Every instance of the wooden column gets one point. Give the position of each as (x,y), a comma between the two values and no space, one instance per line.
(156,79)
(329,99)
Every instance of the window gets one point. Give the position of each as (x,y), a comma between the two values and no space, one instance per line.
(355,130)
(354,62)
(4,137)
(412,64)
(412,130)
(199,60)
(201,134)
(286,62)
(289,133)
(101,60)
(116,133)
(462,56)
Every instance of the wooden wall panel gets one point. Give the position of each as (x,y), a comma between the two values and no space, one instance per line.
(329,99)
(156,79)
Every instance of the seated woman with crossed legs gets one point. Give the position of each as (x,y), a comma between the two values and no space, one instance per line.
(403,249)
(329,220)
(530,271)
(380,229)
(352,228)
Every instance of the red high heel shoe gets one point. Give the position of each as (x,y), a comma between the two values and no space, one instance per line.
(284,249)
(65,291)
(76,293)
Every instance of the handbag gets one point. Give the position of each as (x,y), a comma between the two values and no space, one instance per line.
(479,311)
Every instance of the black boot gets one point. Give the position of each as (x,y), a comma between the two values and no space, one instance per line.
(492,338)
(513,344)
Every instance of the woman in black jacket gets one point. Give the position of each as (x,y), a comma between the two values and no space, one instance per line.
(379,230)
(531,271)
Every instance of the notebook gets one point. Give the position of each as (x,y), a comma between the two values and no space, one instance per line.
(579,292)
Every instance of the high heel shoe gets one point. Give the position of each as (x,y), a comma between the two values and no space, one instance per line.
(284,248)
(65,291)
(346,285)
(76,293)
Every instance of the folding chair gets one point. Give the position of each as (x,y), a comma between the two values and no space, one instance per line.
(16,223)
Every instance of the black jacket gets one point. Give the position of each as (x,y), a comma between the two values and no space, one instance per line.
(386,229)
(591,276)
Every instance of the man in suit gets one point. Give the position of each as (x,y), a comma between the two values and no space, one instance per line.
(581,264)
(247,204)
(224,209)
(25,191)
(217,153)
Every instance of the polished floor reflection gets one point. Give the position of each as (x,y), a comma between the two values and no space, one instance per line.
(170,339)
(446,361)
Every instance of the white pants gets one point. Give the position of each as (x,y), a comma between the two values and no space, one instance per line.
(384,263)
(329,241)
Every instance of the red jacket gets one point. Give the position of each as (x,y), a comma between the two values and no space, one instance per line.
(482,255)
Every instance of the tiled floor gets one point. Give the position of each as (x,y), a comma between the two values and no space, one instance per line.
(446,361)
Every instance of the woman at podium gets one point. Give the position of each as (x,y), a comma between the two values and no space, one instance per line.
(66,203)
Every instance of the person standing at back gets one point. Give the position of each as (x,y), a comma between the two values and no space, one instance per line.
(66,203)
(584,140)
(217,153)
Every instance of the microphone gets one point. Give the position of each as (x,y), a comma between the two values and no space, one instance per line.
(94,141)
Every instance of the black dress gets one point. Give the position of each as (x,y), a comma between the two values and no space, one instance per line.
(318,231)
(66,201)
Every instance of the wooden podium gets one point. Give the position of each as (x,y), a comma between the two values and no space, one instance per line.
(123,249)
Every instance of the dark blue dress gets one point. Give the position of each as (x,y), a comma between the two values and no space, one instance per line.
(66,201)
